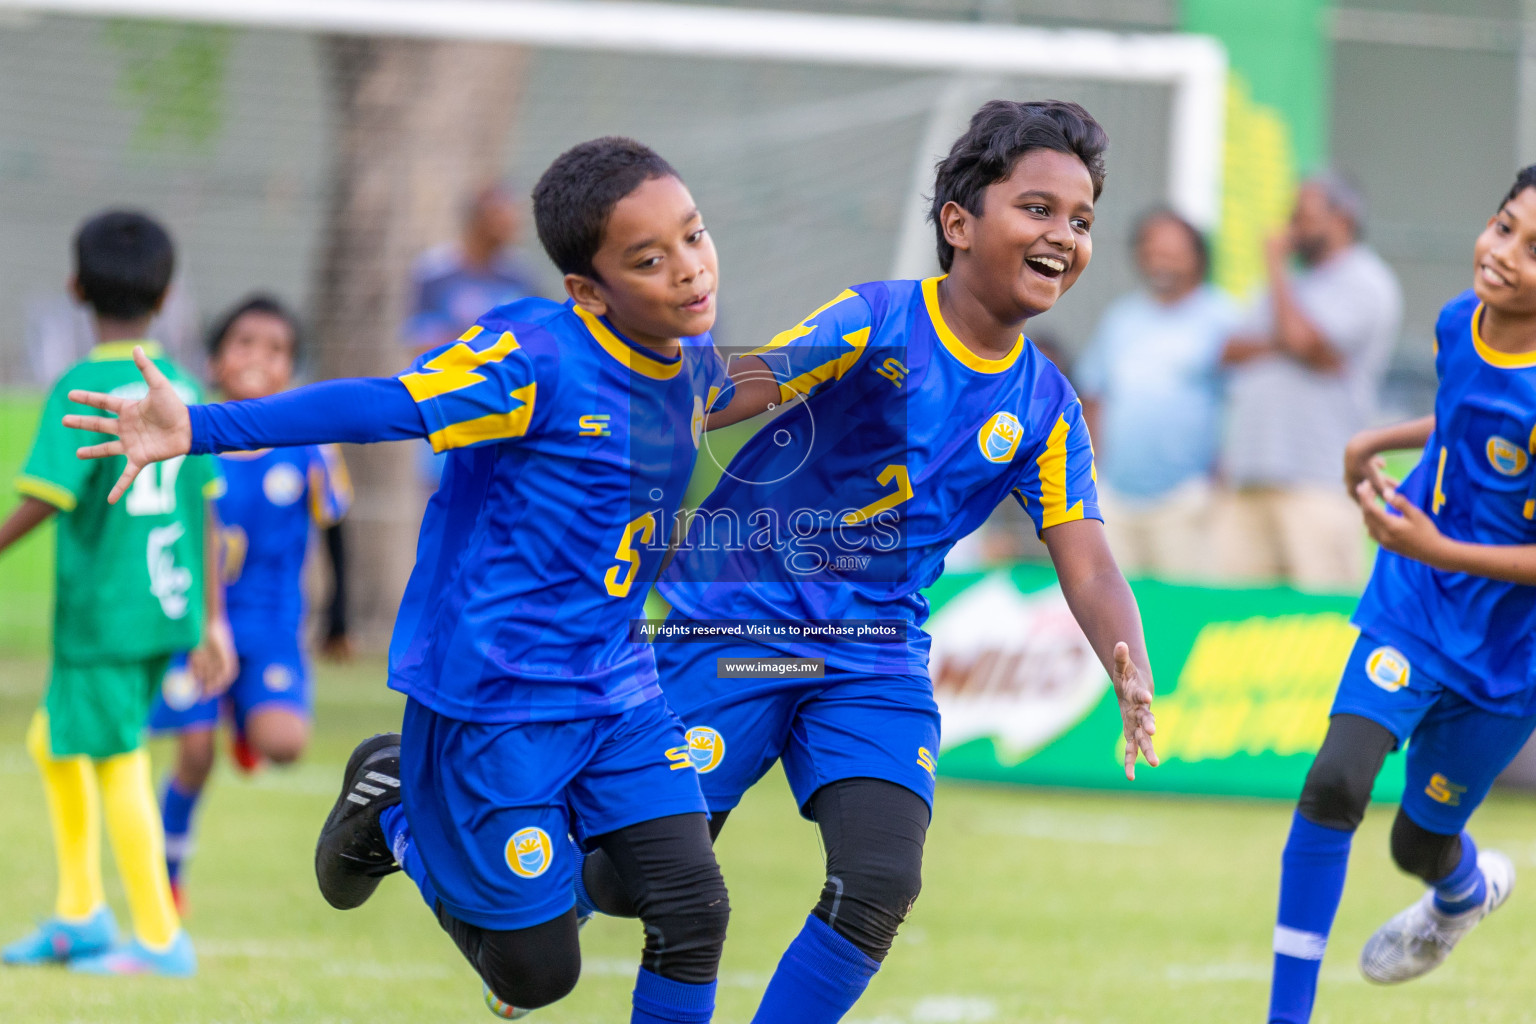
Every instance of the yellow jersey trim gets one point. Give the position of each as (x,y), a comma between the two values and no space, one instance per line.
(802,328)
(1053,479)
(495,427)
(1492,356)
(112,350)
(46,490)
(627,355)
(832,369)
(454,368)
(955,345)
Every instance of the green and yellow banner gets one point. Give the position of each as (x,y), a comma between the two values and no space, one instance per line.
(1244,681)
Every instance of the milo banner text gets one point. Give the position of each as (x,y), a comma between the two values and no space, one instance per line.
(1244,681)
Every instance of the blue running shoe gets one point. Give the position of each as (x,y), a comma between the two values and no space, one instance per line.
(177,961)
(57,941)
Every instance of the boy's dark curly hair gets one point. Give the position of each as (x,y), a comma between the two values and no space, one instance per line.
(1001,132)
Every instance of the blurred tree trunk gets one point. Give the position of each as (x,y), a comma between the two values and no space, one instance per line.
(419,127)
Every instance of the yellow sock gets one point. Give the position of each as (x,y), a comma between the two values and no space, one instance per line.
(74,811)
(138,844)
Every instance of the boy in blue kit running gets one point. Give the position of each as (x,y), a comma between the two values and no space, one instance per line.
(572,430)
(916,407)
(273,500)
(1447,635)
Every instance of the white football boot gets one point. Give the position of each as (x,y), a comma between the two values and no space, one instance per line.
(1419,939)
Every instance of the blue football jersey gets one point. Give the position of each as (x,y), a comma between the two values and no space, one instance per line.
(569,450)
(1474,635)
(843,507)
(271,500)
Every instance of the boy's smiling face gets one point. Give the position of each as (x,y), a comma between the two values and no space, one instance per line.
(657,269)
(1031,240)
(255,357)
(1504,258)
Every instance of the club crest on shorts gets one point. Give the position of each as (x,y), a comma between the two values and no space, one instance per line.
(703,752)
(283,484)
(1506,457)
(529,852)
(1388,668)
(999,437)
(179,688)
(277,678)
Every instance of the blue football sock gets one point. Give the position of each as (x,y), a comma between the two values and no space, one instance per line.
(1311,884)
(176,809)
(1464,888)
(819,978)
(584,905)
(398,832)
(660,1000)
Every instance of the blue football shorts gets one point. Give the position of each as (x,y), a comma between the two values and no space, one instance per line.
(1455,748)
(847,725)
(271,675)
(490,804)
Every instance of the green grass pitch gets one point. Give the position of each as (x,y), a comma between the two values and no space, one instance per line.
(1039,907)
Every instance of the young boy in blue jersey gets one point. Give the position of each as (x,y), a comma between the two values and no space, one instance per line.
(915,408)
(1447,634)
(572,429)
(273,499)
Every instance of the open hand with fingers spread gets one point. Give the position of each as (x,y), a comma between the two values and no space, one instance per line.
(1134,693)
(153,429)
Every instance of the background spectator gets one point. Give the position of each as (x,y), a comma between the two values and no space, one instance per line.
(1150,381)
(454,284)
(1306,368)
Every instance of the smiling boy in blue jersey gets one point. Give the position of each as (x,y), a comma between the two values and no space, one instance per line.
(915,408)
(274,498)
(572,429)
(1447,636)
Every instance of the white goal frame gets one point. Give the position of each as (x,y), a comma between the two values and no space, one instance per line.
(1194,66)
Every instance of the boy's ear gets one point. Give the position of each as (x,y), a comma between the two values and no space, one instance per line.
(586,293)
(956,221)
(74,287)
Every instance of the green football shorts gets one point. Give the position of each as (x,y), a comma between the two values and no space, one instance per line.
(100,710)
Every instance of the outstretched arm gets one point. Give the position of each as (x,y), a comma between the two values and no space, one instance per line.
(1105,608)
(28,516)
(161,426)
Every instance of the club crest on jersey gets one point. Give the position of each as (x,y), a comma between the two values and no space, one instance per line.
(696,425)
(283,484)
(529,852)
(703,753)
(999,437)
(1506,457)
(1388,668)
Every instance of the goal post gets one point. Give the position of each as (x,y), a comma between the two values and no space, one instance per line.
(1193,66)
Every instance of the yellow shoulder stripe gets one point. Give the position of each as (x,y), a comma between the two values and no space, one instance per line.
(454,369)
(1053,479)
(832,369)
(803,328)
(496,427)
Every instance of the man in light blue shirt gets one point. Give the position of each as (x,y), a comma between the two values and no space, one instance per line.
(1151,387)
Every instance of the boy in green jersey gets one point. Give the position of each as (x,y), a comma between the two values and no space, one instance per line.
(129,592)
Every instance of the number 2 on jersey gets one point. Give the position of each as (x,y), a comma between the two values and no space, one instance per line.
(902,493)
(629,559)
